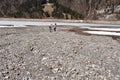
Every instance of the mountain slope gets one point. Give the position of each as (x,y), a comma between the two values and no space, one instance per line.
(67,9)
(93,9)
(21,8)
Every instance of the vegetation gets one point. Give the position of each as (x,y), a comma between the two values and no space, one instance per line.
(1,15)
(34,9)
(66,16)
(53,1)
(31,6)
(26,9)
(47,14)
(59,10)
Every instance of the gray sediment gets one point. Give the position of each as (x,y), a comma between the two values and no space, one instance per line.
(33,53)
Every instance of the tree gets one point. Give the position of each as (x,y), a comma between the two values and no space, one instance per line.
(47,14)
(66,16)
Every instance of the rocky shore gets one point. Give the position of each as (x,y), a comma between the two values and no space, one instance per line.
(35,53)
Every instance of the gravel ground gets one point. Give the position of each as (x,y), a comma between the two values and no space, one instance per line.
(36,54)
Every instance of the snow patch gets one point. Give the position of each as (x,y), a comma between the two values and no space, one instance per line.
(103,33)
(103,29)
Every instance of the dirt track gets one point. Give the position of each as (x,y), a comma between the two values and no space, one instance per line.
(33,53)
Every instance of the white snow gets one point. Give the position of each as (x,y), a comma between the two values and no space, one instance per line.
(36,23)
(5,26)
(103,33)
(103,29)
(13,26)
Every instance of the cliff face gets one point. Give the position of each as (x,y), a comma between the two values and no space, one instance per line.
(94,9)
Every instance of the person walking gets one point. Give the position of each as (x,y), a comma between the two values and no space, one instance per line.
(50,28)
(55,27)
